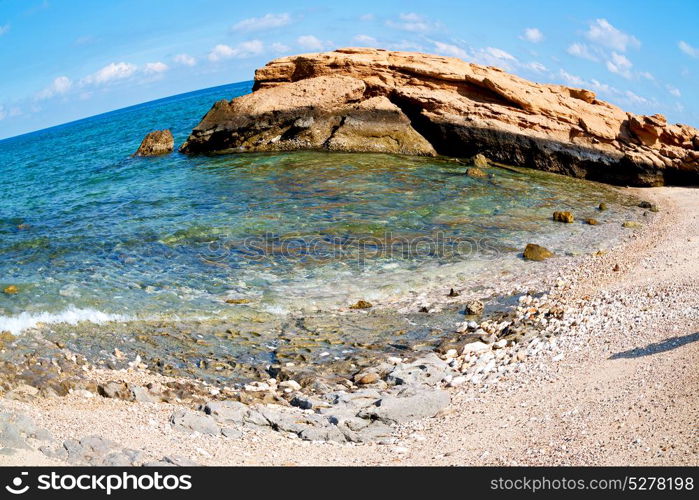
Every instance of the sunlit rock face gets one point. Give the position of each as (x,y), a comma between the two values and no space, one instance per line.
(372,100)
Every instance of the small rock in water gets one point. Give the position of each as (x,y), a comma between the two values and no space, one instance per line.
(452,293)
(537,252)
(237,301)
(474,307)
(480,161)
(11,290)
(566,217)
(615,268)
(476,173)
(423,309)
(361,304)
(158,142)
(591,222)
(603,206)
(631,224)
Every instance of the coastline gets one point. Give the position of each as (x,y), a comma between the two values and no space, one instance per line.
(568,404)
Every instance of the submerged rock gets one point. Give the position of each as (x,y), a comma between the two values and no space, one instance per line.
(480,161)
(373,100)
(603,206)
(537,252)
(476,173)
(11,290)
(591,221)
(566,217)
(474,307)
(361,304)
(158,142)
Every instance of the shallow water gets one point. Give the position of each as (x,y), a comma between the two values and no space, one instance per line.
(88,232)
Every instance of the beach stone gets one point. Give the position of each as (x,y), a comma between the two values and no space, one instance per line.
(158,142)
(537,252)
(405,406)
(231,433)
(360,430)
(227,411)
(366,378)
(631,225)
(16,428)
(95,450)
(142,395)
(648,206)
(115,390)
(474,307)
(591,222)
(308,402)
(603,206)
(429,370)
(475,347)
(566,217)
(190,421)
(11,290)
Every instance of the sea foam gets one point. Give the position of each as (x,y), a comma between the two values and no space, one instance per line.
(72,316)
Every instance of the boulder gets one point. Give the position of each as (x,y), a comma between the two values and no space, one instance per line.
(158,142)
(536,252)
(566,217)
(373,100)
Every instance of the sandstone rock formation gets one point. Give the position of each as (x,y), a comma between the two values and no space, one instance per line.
(158,142)
(359,99)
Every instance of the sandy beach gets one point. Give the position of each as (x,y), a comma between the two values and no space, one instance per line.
(619,388)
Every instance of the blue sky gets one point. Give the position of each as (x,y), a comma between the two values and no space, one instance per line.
(62,60)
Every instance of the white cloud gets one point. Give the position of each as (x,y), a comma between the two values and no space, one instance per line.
(4,29)
(240,51)
(155,67)
(412,22)
(620,65)
(533,35)
(185,59)
(366,40)
(110,73)
(646,75)
(280,47)
(536,66)
(583,51)
(688,49)
(60,85)
(446,49)
(266,22)
(635,98)
(310,42)
(673,90)
(603,33)
(571,79)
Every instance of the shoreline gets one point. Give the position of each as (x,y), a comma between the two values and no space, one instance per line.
(66,417)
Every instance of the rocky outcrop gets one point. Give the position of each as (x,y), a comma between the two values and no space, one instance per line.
(158,142)
(371,100)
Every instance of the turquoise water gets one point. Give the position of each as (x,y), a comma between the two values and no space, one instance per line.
(89,232)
